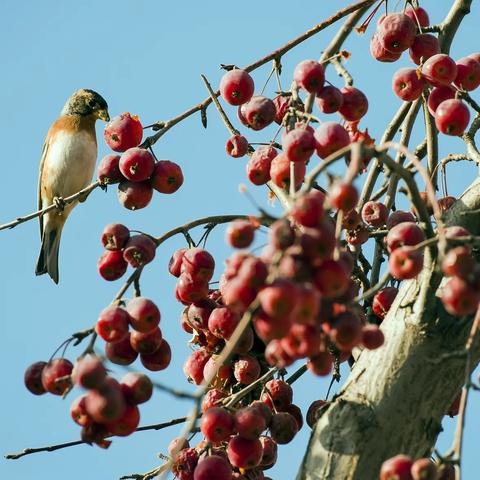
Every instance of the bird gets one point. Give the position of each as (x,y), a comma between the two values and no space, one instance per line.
(66,167)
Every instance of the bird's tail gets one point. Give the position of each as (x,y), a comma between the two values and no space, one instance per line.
(48,258)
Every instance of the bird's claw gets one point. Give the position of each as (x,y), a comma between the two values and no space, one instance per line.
(59,203)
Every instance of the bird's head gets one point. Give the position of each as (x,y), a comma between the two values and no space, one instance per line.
(87,102)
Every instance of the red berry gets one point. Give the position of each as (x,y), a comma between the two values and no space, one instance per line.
(167,177)
(308,209)
(269,456)
(127,423)
(199,263)
(189,290)
(194,365)
(213,468)
(424,46)
(459,262)
(217,424)
(330,137)
(198,313)
(258,166)
(424,469)
(134,195)
(355,104)
(33,378)
(346,331)
(237,146)
(137,164)
(280,172)
(299,144)
(405,263)
(115,236)
(468,74)
(372,337)
(343,196)
(243,452)
(380,53)
(396,468)
(321,364)
(375,213)
(136,387)
(439,70)
(282,103)
(246,369)
(382,301)
(222,322)
(318,243)
(249,422)
(121,353)
(399,216)
(123,132)
(460,298)
(159,360)
(177,444)
(112,324)
(78,412)
(89,372)
(309,75)
(139,250)
(329,99)
(53,374)
(236,87)
(240,233)
(175,263)
(439,95)
(407,85)
(278,299)
(419,15)
(109,170)
(185,464)
(278,392)
(397,32)
(283,428)
(144,314)
(106,403)
(452,117)
(146,343)
(258,112)
(404,233)
(312,412)
(212,398)
(111,265)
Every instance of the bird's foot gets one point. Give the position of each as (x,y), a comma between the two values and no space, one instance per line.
(59,203)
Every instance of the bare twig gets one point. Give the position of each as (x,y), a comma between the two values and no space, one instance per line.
(72,198)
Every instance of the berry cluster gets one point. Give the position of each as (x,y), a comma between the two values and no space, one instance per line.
(136,170)
(461,293)
(145,338)
(299,141)
(109,407)
(234,442)
(402,467)
(437,74)
(122,249)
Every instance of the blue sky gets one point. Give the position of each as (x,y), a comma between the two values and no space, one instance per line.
(145,57)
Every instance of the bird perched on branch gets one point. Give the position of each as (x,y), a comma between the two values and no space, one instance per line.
(68,161)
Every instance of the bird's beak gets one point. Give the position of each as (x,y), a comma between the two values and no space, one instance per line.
(103,115)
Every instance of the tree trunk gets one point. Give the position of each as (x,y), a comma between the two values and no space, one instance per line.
(395,397)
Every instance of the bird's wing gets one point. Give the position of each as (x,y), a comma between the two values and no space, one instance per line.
(42,162)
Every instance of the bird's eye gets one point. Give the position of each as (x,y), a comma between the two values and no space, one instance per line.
(92,103)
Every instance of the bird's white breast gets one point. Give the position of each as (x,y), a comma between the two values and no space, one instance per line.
(70,162)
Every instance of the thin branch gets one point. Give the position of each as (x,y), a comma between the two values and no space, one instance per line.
(52,448)
(163,127)
(39,213)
